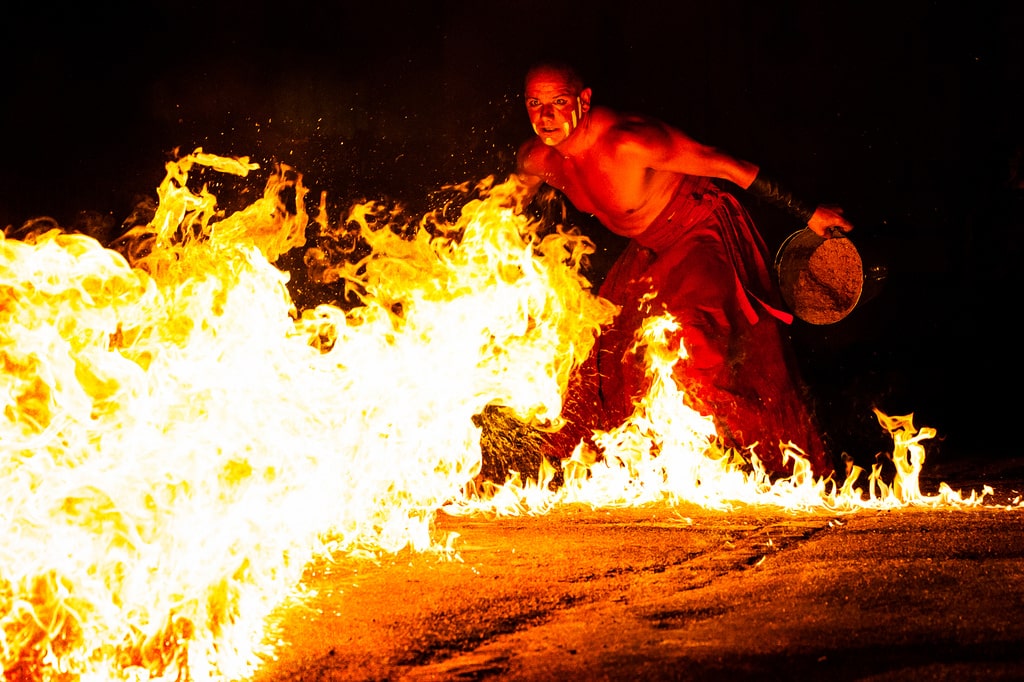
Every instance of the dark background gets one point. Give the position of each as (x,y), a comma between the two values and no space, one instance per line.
(905,113)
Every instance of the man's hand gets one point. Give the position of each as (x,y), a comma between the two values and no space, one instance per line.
(827,219)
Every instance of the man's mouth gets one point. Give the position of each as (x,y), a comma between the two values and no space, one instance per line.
(547,133)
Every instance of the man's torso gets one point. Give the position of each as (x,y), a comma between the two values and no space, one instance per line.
(626,196)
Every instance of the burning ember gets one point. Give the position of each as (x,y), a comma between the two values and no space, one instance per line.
(180,441)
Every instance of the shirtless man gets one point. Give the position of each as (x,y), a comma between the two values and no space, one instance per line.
(695,248)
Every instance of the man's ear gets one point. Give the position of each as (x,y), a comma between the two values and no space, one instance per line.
(585,99)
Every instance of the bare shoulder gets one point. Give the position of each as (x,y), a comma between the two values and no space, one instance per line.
(631,132)
(640,127)
(532,157)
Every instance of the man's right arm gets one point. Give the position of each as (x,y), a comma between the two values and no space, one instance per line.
(526,180)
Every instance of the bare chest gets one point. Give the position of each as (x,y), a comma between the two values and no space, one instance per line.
(624,199)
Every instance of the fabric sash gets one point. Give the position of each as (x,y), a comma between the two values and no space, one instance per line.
(698,199)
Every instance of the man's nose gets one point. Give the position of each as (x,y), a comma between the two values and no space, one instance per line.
(547,111)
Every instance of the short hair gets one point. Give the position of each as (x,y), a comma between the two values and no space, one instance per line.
(567,70)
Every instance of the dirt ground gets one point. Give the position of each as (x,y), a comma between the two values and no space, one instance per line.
(681,593)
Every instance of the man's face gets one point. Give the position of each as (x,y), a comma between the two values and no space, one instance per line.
(554,106)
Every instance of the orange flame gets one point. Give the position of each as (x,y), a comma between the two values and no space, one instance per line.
(179,441)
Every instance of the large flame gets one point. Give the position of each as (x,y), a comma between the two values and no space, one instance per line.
(179,441)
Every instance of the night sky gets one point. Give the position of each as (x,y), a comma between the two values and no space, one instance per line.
(905,113)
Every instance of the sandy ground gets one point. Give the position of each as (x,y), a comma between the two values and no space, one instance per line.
(682,593)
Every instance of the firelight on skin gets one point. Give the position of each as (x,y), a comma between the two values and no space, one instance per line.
(554,109)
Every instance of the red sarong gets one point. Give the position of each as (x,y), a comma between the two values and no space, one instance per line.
(703,261)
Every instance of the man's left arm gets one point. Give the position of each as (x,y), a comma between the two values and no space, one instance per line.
(670,149)
(822,220)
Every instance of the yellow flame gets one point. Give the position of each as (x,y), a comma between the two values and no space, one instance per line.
(178,441)
(666,452)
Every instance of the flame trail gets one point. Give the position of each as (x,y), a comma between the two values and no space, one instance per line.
(178,441)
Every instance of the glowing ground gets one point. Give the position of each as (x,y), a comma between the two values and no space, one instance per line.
(682,593)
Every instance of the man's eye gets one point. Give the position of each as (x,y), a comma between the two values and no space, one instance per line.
(561,102)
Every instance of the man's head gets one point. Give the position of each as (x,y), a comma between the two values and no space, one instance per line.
(556,100)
